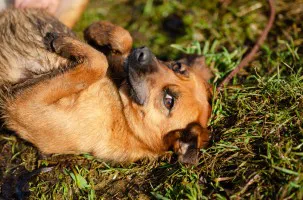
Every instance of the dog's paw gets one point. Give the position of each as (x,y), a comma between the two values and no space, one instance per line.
(108,38)
(49,39)
(60,44)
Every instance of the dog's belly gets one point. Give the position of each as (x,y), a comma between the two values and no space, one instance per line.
(23,53)
(81,123)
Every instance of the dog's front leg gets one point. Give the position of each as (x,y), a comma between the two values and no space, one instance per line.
(112,40)
(91,65)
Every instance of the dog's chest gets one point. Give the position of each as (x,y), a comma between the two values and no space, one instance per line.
(99,105)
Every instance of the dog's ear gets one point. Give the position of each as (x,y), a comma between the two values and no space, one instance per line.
(198,63)
(187,142)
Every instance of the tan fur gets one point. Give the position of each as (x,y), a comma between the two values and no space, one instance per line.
(81,108)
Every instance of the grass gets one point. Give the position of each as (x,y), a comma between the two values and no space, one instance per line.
(257,150)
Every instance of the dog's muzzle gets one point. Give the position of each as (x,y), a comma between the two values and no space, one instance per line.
(140,63)
(140,60)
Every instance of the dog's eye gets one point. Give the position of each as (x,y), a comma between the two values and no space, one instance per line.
(168,101)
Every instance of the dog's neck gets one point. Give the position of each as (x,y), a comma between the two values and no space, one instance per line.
(121,142)
(124,146)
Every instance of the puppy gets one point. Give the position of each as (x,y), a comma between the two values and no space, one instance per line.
(65,96)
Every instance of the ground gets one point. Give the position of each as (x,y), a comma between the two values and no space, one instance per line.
(257,149)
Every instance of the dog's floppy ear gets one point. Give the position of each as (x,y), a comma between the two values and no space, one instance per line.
(187,142)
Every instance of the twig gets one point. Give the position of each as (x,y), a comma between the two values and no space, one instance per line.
(256,178)
(249,57)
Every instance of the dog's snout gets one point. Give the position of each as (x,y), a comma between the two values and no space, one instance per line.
(141,60)
(143,56)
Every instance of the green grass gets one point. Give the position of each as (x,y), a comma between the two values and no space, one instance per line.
(257,151)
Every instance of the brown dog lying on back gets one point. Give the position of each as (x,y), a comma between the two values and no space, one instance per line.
(64,96)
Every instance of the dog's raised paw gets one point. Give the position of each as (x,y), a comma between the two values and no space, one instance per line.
(48,40)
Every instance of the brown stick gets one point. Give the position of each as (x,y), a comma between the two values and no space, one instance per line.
(249,57)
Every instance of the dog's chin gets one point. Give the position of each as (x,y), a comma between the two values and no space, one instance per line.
(133,94)
(135,88)
(131,91)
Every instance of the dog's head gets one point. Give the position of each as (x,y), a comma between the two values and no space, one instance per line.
(167,104)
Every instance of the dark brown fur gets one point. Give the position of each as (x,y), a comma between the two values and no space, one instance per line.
(62,95)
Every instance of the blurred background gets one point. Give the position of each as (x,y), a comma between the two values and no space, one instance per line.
(172,28)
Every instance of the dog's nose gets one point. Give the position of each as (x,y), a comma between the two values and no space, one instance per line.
(143,56)
(141,60)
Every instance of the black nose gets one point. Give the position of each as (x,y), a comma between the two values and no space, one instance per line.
(141,60)
(143,56)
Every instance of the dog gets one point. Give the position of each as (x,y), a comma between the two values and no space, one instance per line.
(105,98)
